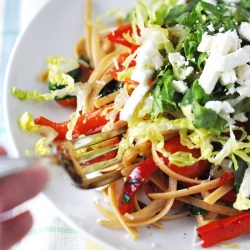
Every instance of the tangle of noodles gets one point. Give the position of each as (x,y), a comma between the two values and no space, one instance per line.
(207,192)
(174,192)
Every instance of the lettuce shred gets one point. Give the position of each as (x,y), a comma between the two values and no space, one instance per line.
(43,145)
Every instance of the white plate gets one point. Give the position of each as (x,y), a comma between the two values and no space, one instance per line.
(54,31)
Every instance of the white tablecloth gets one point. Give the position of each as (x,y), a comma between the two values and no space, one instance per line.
(49,232)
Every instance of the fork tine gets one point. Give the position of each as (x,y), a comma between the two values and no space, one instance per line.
(101,180)
(72,154)
(100,165)
(96,138)
(82,157)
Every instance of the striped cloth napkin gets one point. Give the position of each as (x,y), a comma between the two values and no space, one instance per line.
(49,232)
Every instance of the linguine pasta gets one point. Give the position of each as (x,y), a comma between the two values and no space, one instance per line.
(159,209)
(182,71)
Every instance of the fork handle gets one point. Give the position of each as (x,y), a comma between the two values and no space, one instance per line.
(13,165)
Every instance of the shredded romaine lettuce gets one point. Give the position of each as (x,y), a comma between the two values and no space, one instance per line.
(26,123)
(58,67)
(82,92)
(37,95)
(43,145)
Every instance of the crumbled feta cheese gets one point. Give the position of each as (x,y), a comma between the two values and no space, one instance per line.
(149,56)
(240,81)
(218,41)
(243,90)
(180,86)
(208,78)
(240,117)
(236,41)
(211,27)
(176,58)
(181,61)
(222,43)
(217,106)
(147,61)
(173,57)
(206,43)
(243,72)
(189,70)
(222,108)
(228,77)
(142,76)
(244,30)
(232,60)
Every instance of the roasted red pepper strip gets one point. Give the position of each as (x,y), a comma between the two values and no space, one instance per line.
(59,127)
(134,47)
(138,176)
(226,178)
(225,229)
(117,36)
(229,197)
(87,124)
(67,102)
(174,145)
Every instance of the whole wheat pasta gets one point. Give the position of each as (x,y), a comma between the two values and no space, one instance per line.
(218,193)
(88,29)
(187,139)
(97,52)
(131,230)
(131,154)
(175,216)
(221,209)
(208,185)
(100,102)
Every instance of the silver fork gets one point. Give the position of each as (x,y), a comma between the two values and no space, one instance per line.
(70,155)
